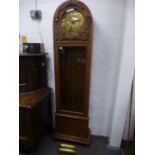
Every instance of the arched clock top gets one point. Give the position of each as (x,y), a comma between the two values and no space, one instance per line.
(72,21)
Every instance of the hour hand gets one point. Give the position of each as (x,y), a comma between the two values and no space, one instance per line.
(70,28)
(76,21)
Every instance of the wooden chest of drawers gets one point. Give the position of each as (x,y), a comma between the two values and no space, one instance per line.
(35,114)
(32,72)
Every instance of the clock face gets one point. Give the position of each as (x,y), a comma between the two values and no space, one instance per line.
(72,21)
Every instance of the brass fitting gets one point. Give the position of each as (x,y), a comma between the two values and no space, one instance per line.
(68,146)
(65,150)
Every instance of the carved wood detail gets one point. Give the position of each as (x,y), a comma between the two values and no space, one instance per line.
(84,35)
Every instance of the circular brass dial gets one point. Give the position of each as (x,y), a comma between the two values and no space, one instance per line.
(72,21)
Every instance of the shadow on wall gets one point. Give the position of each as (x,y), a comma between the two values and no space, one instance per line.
(106,58)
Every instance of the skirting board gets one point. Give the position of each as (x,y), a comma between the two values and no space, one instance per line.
(113,147)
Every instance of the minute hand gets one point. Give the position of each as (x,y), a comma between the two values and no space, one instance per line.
(70,28)
(76,21)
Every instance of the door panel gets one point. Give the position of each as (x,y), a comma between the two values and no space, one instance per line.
(72,70)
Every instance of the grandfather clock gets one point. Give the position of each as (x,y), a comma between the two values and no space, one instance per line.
(72,56)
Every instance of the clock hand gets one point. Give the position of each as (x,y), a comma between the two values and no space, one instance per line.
(70,28)
(74,21)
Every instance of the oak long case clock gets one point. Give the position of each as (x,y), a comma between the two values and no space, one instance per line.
(72,57)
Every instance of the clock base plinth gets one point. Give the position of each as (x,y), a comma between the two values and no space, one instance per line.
(72,128)
(73,139)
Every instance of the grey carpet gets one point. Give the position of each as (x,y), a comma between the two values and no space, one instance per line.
(98,146)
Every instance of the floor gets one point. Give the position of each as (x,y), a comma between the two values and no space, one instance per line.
(128,148)
(98,146)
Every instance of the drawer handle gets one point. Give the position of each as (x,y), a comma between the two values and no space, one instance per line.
(23,84)
(43,63)
(22,138)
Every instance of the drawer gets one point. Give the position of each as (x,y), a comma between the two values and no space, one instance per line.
(24,133)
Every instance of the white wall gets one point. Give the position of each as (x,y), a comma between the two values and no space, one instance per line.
(125,79)
(108,20)
(129,129)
